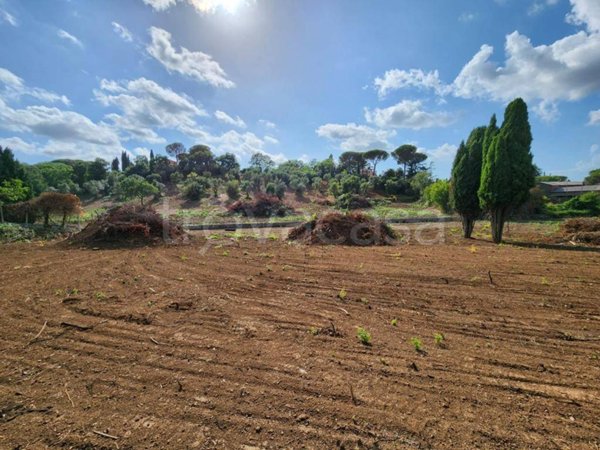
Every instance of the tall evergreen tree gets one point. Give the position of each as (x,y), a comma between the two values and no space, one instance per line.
(466,176)
(115,165)
(125,161)
(151,161)
(508,171)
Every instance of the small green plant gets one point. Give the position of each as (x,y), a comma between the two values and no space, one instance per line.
(439,339)
(100,295)
(342,294)
(394,322)
(363,336)
(417,344)
(313,330)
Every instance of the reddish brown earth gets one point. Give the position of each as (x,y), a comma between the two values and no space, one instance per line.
(171,348)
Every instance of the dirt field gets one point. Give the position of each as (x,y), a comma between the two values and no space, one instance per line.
(248,345)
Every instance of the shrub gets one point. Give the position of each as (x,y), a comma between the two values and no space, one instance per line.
(352,201)
(363,336)
(57,203)
(270,189)
(22,212)
(135,186)
(438,194)
(350,184)
(587,204)
(195,187)
(233,189)
(10,232)
(280,190)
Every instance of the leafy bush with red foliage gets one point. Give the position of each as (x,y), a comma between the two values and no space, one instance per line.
(262,205)
(56,203)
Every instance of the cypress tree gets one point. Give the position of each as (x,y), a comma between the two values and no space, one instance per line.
(466,177)
(508,171)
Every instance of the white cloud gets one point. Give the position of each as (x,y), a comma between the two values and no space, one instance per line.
(547,111)
(14,88)
(305,158)
(267,124)
(565,70)
(69,37)
(146,106)
(444,152)
(540,5)
(68,134)
(407,114)
(397,79)
(196,65)
(353,137)
(243,145)
(19,145)
(271,140)
(123,32)
(56,124)
(594,117)
(202,6)
(8,18)
(467,17)
(160,5)
(226,118)
(585,12)
(593,162)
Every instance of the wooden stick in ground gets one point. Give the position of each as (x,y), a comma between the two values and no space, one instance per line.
(69,397)
(490,277)
(39,333)
(108,436)
(352,395)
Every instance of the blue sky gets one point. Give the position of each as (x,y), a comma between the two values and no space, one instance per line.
(297,79)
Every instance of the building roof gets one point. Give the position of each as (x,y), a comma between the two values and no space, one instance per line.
(562,183)
(575,189)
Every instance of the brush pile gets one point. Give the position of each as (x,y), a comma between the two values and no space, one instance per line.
(262,205)
(583,230)
(130,225)
(344,229)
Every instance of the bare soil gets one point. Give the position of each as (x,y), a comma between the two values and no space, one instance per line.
(252,344)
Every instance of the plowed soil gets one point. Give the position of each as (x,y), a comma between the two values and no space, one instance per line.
(252,344)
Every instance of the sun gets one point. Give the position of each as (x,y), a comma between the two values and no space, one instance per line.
(231,6)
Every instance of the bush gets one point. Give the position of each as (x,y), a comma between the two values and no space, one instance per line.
(261,206)
(587,204)
(350,184)
(396,186)
(233,190)
(280,190)
(438,194)
(22,212)
(57,203)
(195,187)
(10,232)
(270,189)
(352,201)
(135,186)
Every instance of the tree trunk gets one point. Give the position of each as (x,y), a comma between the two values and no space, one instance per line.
(47,219)
(498,219)
(468,223)
(1,214)
(64,221)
